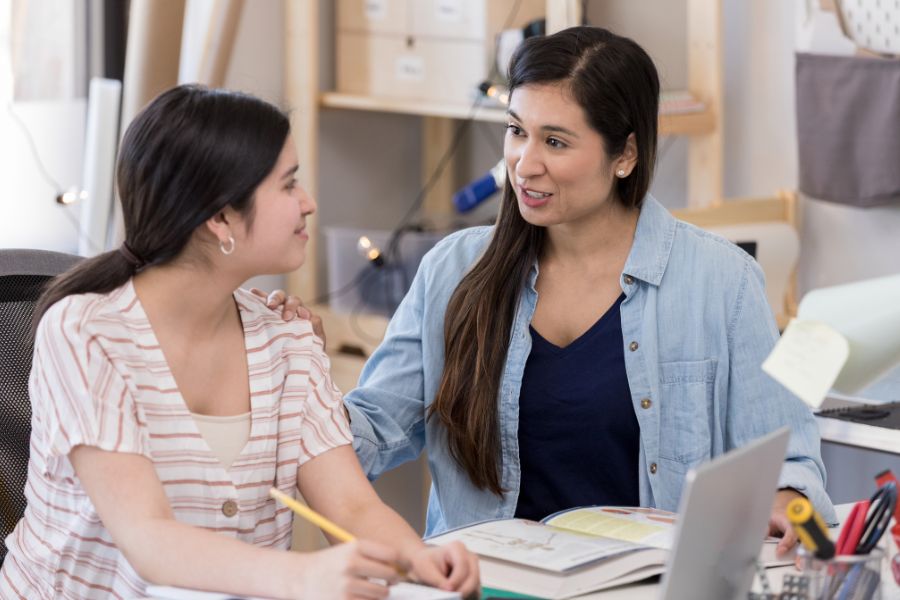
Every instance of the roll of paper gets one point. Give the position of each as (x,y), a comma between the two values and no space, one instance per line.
(100,142)
(867,314)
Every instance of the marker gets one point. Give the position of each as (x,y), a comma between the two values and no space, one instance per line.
(884,477)
(810,528)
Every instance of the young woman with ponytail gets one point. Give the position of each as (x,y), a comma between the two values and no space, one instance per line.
(167,402)
(588,348)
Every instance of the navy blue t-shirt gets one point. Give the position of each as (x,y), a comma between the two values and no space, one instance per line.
(578,435)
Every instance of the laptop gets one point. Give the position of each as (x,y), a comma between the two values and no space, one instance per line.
(722,522)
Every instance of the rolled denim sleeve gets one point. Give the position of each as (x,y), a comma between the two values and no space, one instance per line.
(387,409)
(757,404)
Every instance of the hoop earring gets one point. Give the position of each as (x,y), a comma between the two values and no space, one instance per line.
(621,172)
(230,248)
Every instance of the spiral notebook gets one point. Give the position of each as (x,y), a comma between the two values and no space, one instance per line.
(878,415)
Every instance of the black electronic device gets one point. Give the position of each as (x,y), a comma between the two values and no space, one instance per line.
(878,415)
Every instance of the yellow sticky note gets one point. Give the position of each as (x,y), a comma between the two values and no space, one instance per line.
(807,360)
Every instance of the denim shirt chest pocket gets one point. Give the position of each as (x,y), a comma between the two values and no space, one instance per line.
(686,410)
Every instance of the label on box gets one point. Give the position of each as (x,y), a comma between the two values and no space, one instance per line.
(409,68)
(376,10)
(448,11)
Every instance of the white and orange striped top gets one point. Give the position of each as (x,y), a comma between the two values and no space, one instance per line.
(100,379)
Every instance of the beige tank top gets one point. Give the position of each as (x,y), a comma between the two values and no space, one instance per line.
(225,436)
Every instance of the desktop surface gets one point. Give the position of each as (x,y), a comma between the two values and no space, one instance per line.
(856,434)
(651,590)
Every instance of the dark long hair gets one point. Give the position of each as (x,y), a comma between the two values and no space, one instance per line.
(616,84)
(189,154)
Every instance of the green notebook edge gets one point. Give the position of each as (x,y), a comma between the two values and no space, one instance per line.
(487,592)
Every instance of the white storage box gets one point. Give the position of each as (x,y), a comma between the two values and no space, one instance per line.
(410,68)
(435,50)
(375,16)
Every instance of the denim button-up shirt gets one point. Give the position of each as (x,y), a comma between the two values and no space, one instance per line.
(696,327)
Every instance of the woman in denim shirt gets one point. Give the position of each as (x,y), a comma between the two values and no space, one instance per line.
(476,363)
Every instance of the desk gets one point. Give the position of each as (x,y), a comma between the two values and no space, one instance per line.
(834,431)
(856,435)
(651,591)
(854,452)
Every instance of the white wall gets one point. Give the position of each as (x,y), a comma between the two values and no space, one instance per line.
(760,129)
(48,48)
(31,216)
(6,68)
(40,115)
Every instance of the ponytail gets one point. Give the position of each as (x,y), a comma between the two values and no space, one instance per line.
(99,275)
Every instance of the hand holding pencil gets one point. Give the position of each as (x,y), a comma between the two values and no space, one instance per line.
(449,567)
(352,569)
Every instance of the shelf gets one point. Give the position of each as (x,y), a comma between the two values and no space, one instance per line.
(688,123)
(697,123)
(412,107)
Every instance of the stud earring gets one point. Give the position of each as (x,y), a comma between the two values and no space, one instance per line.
(226,250)
(621,172)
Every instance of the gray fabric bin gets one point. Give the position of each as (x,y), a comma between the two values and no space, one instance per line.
(848,128)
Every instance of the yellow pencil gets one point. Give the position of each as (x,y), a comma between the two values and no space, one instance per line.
(321,522)
(312,516)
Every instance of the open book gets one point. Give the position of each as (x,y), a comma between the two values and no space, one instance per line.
(575,551)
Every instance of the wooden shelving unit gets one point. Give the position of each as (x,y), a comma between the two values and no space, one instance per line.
(338,100)
(693,123)
(704,128)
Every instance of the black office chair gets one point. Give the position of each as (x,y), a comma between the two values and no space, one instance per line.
(23,275)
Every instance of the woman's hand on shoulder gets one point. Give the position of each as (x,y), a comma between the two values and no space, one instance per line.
(350,571)
(291,307)
(449,567)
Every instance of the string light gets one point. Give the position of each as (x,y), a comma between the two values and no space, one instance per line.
(496,92)
(369,251)
(71,196)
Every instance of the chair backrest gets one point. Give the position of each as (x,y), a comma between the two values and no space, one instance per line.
(23,275)
(769,226)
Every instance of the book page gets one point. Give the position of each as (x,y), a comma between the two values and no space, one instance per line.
(645,526)
(535,544)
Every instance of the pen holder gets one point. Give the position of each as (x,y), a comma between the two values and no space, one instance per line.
(845,577)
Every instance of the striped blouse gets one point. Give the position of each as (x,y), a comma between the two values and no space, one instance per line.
(100,379)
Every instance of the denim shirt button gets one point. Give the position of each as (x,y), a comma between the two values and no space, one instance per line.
(646,403)
(653,468)
(633,346)
(629,280)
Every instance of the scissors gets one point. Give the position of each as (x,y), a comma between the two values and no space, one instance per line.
(852,531)
(881,509)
